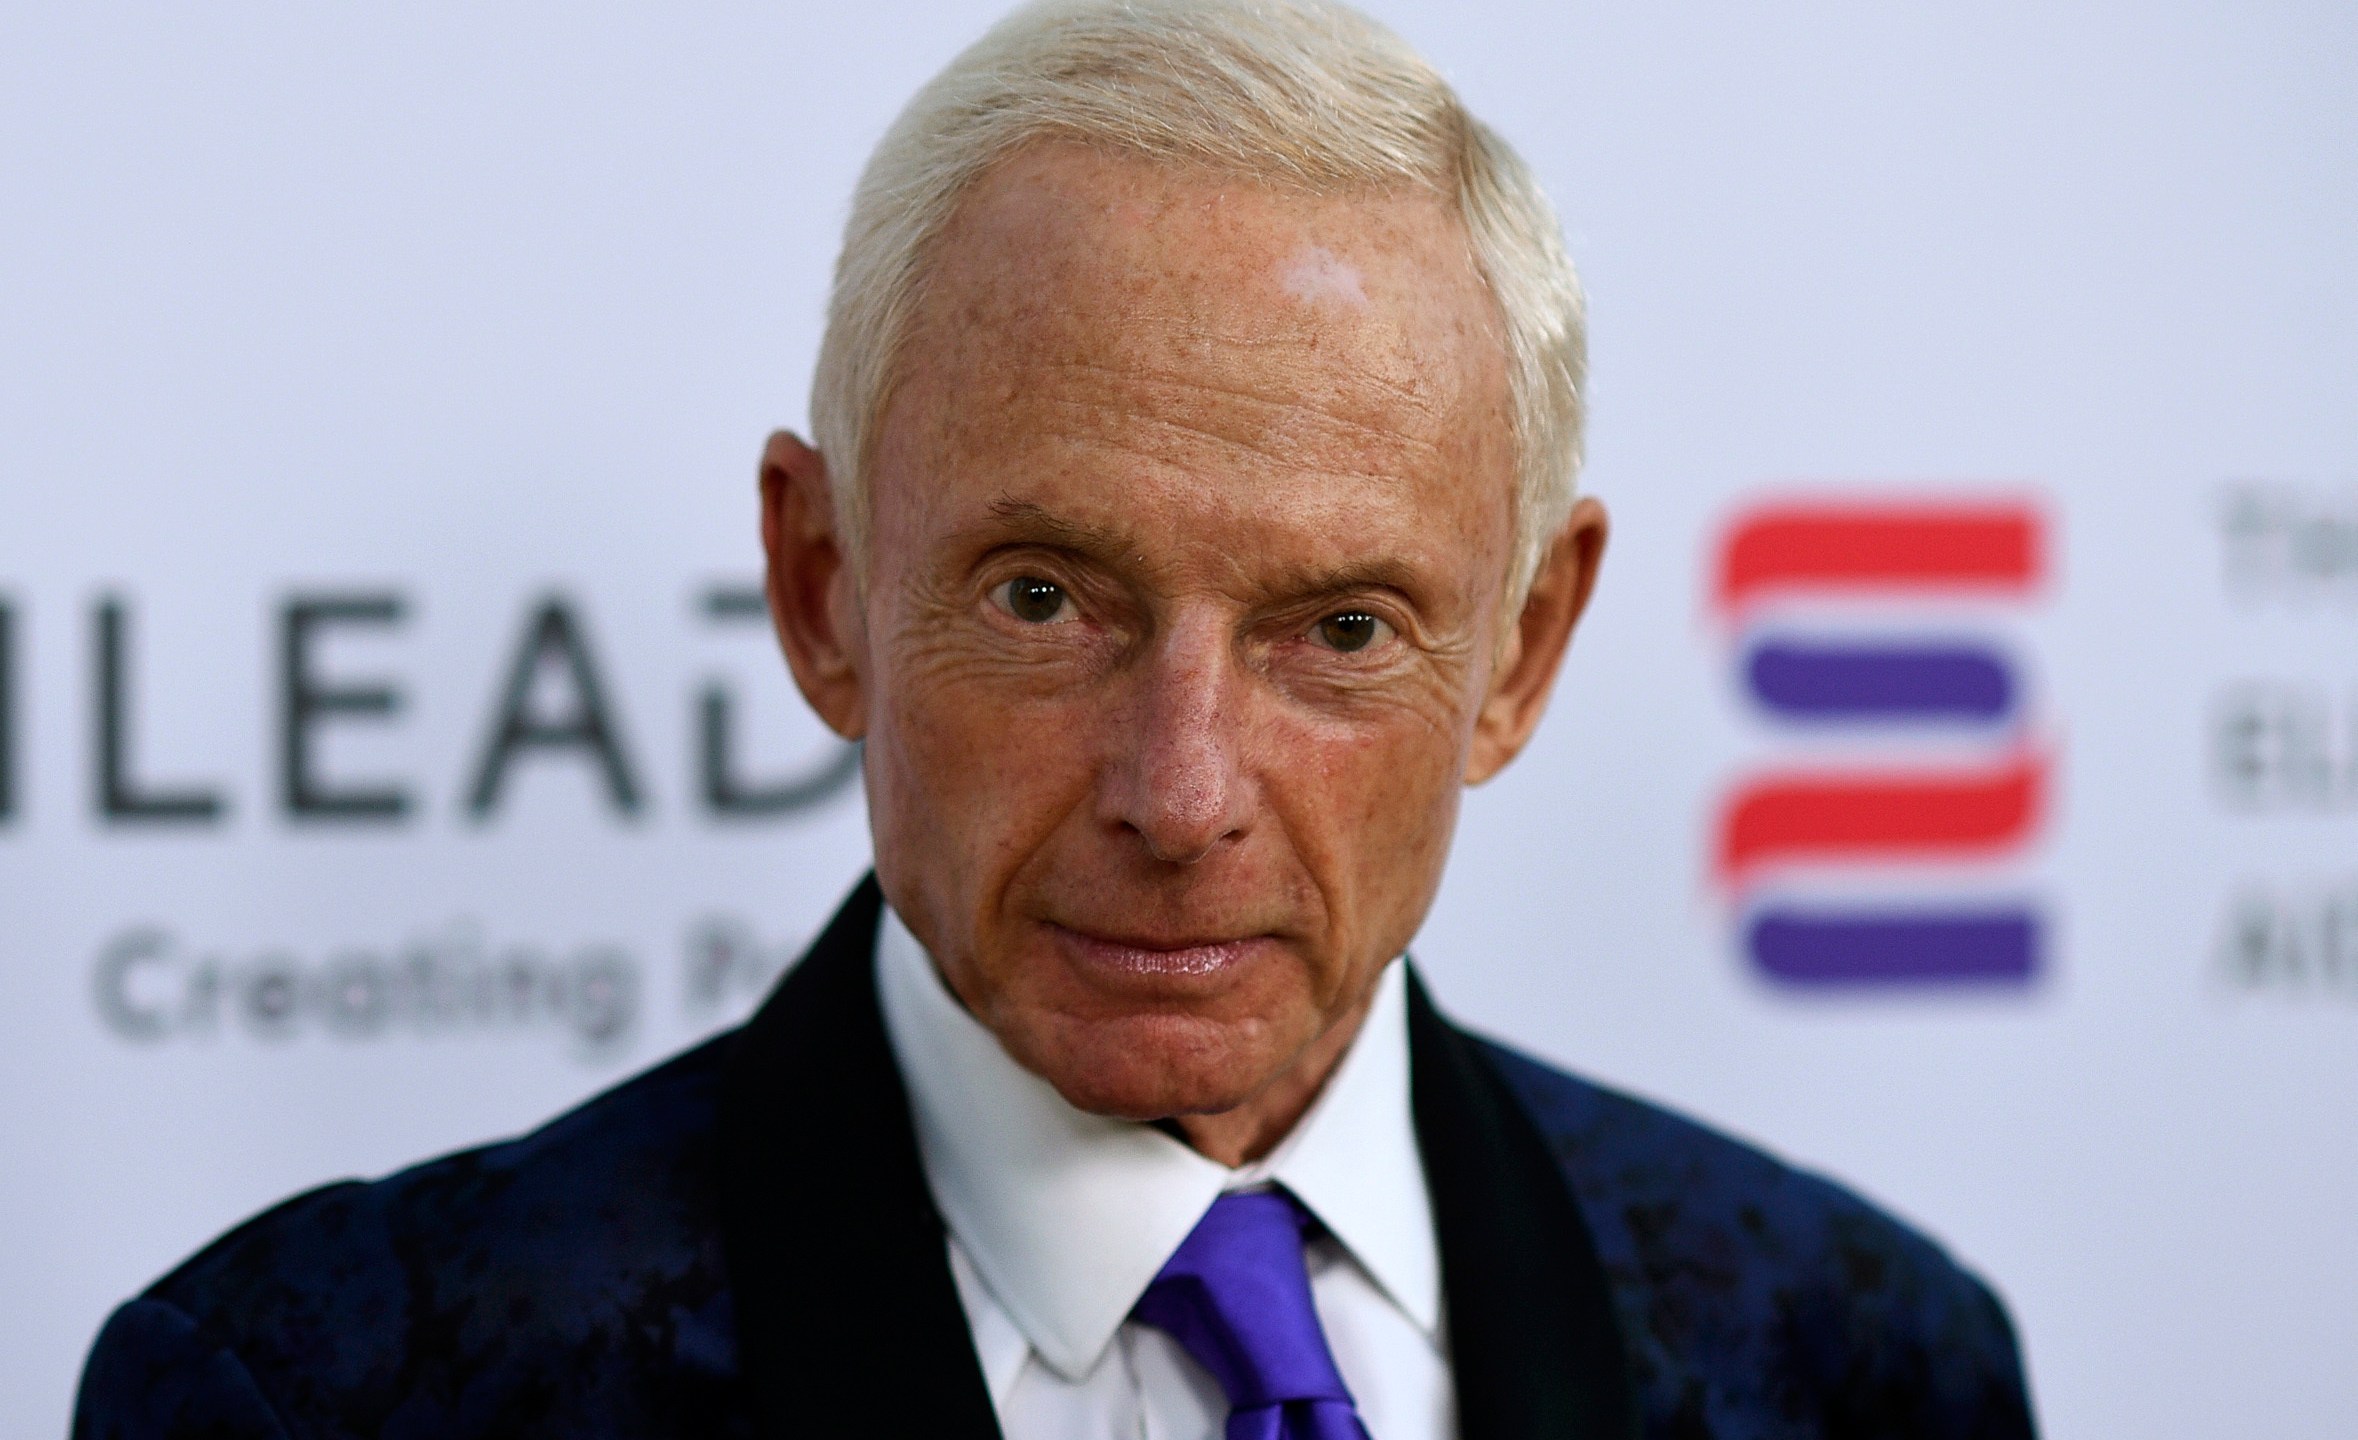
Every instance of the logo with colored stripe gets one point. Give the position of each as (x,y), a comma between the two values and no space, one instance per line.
(1878,645)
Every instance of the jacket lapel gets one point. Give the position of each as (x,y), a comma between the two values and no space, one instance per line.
(1535,1349)
(848,1322)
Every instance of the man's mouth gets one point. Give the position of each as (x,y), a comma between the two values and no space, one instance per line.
(1157,957)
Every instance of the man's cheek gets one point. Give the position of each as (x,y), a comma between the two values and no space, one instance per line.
(964,729)
(998,768)
(1388,777)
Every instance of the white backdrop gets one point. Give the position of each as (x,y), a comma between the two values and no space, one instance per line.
(441,315)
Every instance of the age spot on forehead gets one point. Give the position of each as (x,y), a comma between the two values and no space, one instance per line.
(1315,273)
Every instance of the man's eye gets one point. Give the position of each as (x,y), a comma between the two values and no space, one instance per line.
(1034,601)
(1350,631)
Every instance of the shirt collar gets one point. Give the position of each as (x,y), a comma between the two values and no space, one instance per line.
(1067,1216)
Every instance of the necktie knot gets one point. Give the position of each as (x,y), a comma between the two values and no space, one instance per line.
(1236,1296)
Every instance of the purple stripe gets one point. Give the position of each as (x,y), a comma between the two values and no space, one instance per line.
(1948,680)
(1895,947)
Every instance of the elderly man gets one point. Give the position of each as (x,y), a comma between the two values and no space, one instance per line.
(1190,518)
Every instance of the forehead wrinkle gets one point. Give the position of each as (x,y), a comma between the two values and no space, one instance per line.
(997,398)
(1192,473)
(1363,361)
(1402,348)
(1177,383)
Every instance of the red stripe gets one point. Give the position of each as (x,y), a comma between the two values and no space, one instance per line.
(1922,546)
(1873,817)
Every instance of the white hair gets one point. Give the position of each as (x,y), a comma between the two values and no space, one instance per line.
(1299,93)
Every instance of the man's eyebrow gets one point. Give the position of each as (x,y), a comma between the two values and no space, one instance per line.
(1036,524)
(1395,575)
(1039,524)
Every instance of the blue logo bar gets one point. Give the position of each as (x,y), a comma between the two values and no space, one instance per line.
(1866,947)
(1932,680)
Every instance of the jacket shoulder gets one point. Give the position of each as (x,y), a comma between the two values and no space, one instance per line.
(1750,1289)
(495,1290)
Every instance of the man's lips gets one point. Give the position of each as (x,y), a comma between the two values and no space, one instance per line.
(1158,957)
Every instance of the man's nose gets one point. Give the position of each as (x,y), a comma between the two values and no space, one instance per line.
(1176,776)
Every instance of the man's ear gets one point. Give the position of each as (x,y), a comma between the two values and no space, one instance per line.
(814,597)
(1534,651)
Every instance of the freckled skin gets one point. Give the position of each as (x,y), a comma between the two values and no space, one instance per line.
(1187,750)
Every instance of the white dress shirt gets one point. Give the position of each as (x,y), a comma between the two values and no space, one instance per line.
(1058,1219)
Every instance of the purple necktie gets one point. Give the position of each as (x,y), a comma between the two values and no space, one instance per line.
(1236,1296)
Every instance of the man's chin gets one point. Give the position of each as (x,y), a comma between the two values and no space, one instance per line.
(1154,1068)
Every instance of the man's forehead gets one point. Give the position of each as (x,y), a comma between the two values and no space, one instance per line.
(1076,289)
(1127,343)
(1066,233)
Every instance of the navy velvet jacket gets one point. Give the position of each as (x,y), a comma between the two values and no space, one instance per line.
(660,1263)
